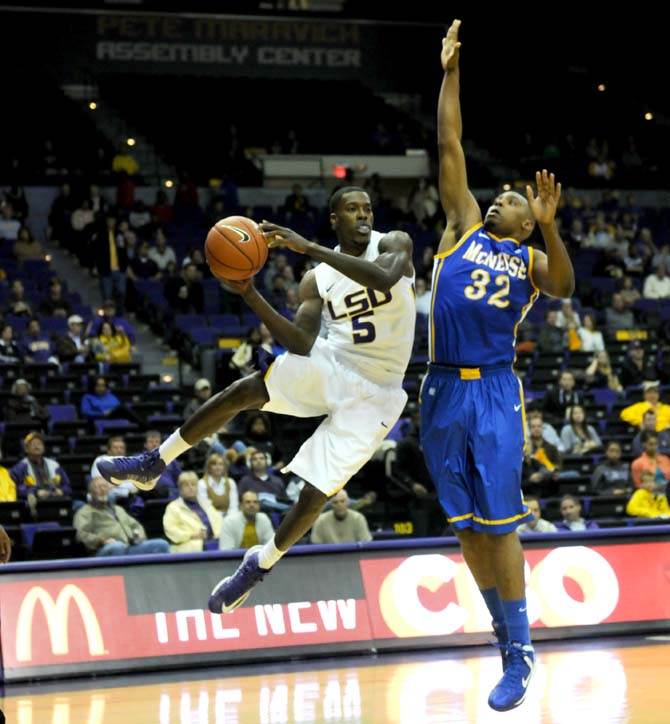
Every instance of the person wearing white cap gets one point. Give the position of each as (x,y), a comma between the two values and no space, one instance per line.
(203,391)
(73,347)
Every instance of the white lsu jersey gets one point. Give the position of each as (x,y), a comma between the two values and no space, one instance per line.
(369,331)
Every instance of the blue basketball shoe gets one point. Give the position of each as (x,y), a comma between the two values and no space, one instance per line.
(519,665)
(143,469)
(231,592)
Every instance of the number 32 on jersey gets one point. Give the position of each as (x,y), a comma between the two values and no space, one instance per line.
(480,287)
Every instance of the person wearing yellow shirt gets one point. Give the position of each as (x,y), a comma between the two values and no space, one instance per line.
(633,414)
(112,344)
(7,486)
(646,502)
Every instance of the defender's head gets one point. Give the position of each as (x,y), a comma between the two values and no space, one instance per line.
(351,218)
(510,216)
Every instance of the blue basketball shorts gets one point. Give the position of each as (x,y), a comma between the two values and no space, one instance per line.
(473,432)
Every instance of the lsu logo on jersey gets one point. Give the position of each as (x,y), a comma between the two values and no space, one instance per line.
(358,306)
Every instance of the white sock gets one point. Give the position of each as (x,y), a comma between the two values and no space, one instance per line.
(173,447)
(269,554)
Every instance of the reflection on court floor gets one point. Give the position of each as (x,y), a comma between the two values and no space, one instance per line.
(592,683)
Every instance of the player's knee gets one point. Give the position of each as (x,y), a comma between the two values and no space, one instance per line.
(249,392)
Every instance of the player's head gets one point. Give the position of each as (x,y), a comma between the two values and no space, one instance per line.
(510,216)
(351,218)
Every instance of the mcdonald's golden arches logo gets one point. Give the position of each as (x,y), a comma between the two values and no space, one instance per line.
(57,616)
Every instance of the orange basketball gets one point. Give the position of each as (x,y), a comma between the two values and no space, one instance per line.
(235,248)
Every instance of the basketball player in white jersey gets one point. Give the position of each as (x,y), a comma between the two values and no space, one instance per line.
(363,292)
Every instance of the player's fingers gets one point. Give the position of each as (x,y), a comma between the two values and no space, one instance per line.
(558,192)
(529,193)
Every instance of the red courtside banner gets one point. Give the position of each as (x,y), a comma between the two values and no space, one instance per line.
(148,616)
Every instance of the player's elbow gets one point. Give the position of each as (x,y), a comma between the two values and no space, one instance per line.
(301,345)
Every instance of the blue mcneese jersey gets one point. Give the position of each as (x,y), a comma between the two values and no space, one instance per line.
(482,289)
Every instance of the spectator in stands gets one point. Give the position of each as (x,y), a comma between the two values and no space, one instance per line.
(109,315)
(217,487)
(17,303)
(275,265)
(83,226)
(612,475)
(662,256)
(167,485)
(161,253)
(126,490)
(540,448)
(600,374)
(10,353)
(100,403)
(618,317)
(637,367)
(633,263)
(106,529)
(576,236)
(73,347)
(567,317)
(590,338)
(650,460)
(646,501)
(202,390)
(291,303)
(111,257)
(645,245)
(634,414)
(246,527)
(548,432)
(97,200)
(657,285)
(9,224)
(142,266)
(111,344)
(415,488)
(276,295)
(270,488)
(161,210)
(551,337)
(189,522)
(16,196)
(423,296)
(37,346)
(296,205)
(38,477)
(267,340)
(339,524)
(578,437)
(258,433)
(26,246)
(538,524)
(139,218)
(558,401)
(55,305)
(23,407)
(245,358)
(186,193)
(571,510)
(185,292)
(650,424)
(7,485)
(124,161)
(629,292)
(60,228)
(601,233)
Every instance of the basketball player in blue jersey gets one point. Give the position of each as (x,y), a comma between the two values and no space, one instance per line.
(485,279)
(363,294)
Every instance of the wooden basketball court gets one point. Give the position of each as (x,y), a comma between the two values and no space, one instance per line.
(598,681)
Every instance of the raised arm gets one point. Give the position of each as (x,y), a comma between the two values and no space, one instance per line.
(297,336)
(394,261)
(552,272)
(459,205)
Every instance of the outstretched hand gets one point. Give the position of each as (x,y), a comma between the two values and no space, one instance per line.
(451,47)
(238,286)
(278,236)
(544,205)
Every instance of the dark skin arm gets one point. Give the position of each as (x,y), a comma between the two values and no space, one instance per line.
(297,336)
(394,262)
(553,272)
(460,206)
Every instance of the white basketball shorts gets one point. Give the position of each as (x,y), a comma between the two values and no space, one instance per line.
(360,414)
